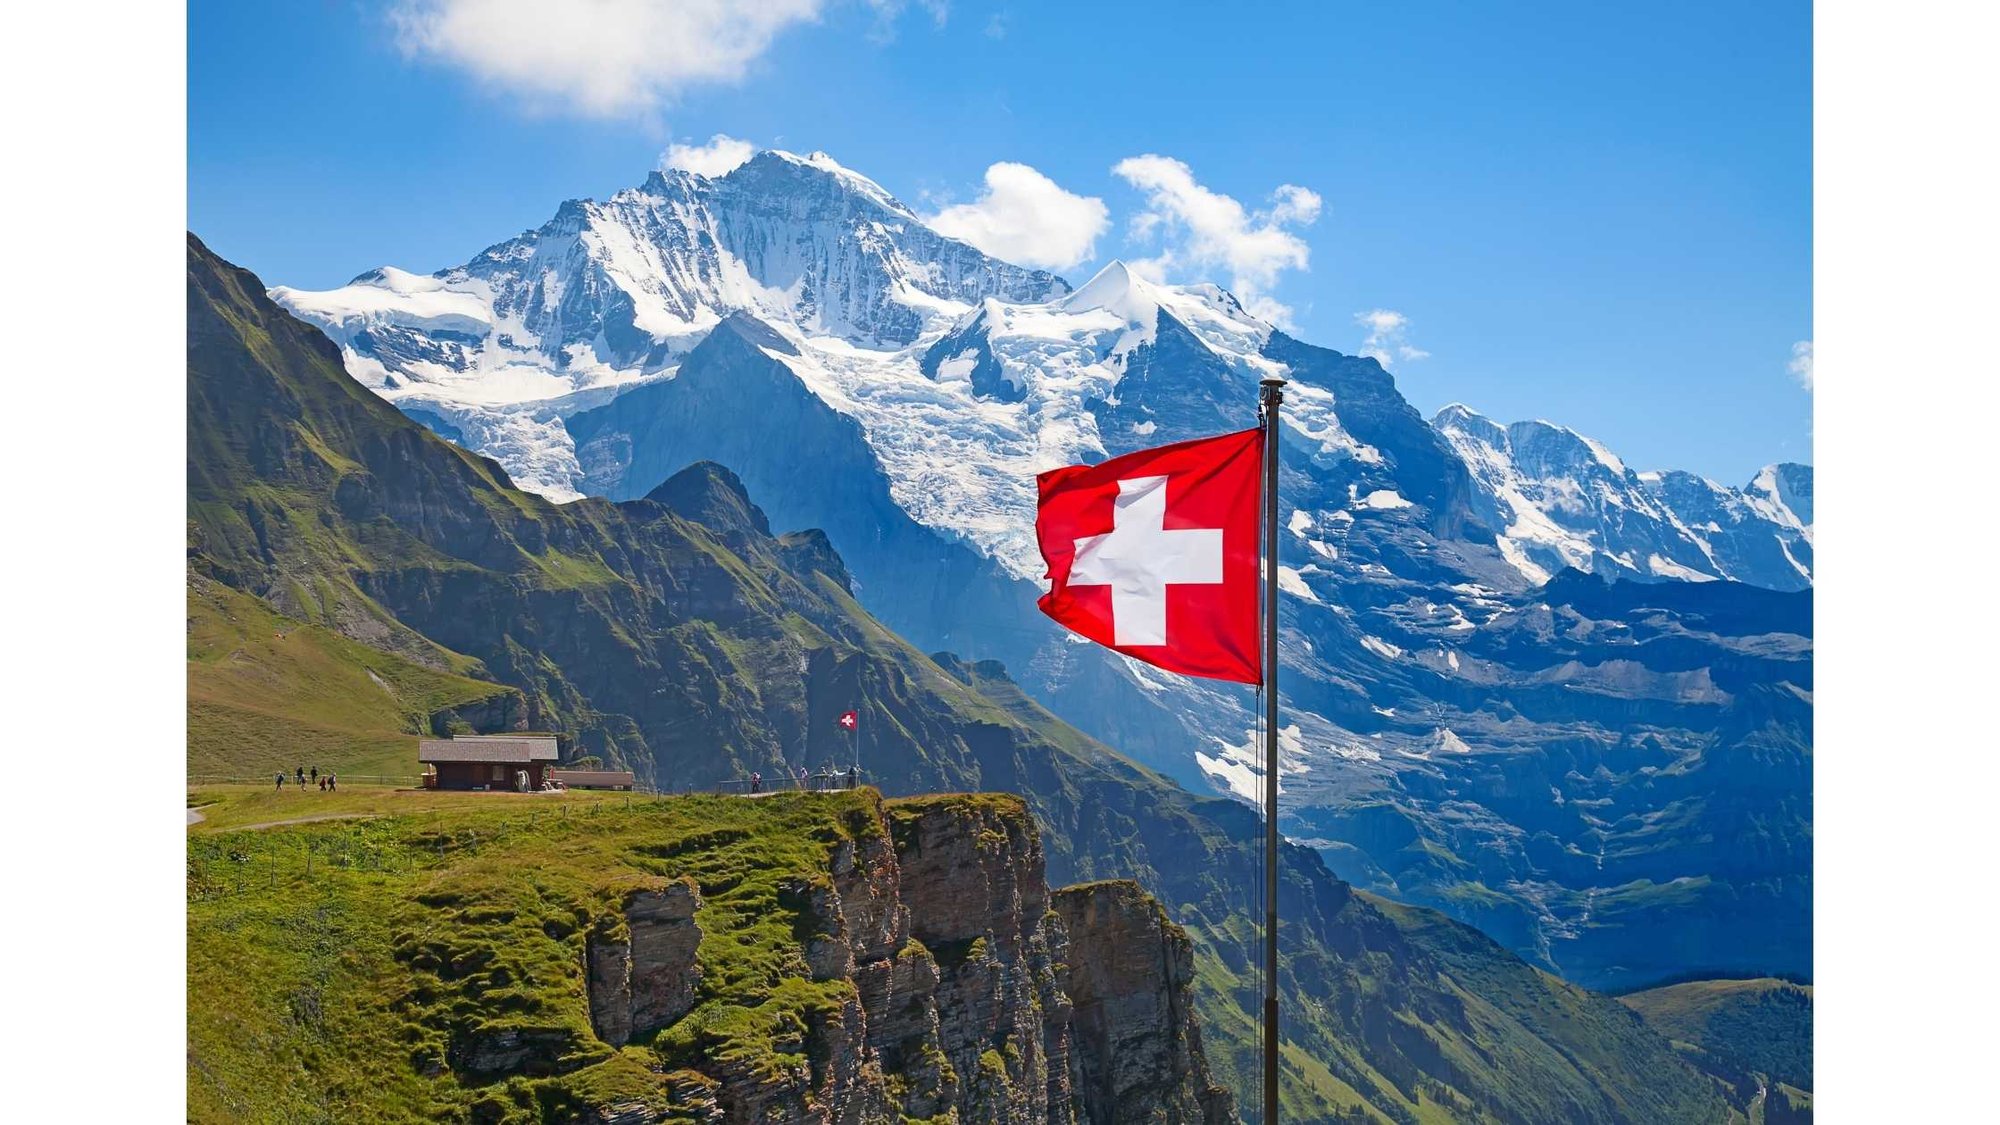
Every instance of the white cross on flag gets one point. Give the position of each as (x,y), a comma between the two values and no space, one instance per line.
(1155,554)
(849,720)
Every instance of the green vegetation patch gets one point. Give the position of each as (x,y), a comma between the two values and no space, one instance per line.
(267,692)
(428,962)
(1746,1032)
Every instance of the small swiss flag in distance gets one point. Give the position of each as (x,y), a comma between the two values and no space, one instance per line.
(849,720)
(1155,553)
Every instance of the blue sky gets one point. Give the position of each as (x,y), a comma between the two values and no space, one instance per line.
(1597,214)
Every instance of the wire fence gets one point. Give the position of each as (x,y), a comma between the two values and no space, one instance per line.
(788,783)
(228,860)
(404,780)
(280,856)
(776,783)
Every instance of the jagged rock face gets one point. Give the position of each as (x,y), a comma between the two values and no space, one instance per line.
(974,877)
(1137,1044)
(962,973)
(643,972)
(504,712)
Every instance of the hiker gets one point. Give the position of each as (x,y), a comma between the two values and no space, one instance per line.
(801,777)
(281,781)
(332,783)
(826,777)
(854,776)
(322,784)
(302,777)
(314,774)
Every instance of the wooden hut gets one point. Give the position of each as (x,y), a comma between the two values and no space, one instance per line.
(487,761)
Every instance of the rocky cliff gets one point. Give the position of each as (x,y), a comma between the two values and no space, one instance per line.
(975,995)
(817,958)
(1137,1042)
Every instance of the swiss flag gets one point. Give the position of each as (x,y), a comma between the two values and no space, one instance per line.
(1155,554)
(849,720)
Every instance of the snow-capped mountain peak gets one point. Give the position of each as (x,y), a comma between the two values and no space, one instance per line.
(969,374)
(1559,499)
(1116,289)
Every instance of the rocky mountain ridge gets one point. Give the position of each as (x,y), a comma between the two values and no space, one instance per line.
(1560,500)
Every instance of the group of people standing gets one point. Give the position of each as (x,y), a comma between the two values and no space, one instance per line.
(827,778)
(327,782)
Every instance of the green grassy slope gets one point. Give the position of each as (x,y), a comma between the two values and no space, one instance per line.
(1748,1032)
(269,693)
(349,995)
(676,635)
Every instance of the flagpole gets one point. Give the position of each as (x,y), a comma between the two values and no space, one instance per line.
(1271,393)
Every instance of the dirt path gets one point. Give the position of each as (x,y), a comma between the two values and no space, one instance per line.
(195,817)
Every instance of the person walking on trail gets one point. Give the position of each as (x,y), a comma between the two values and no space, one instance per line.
(281,781)
(302,777)
(314,773)
(756,781)
(854,777)
(801,777)
(323,781)
(332,783)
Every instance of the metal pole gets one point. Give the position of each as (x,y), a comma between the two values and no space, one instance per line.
(1272,393)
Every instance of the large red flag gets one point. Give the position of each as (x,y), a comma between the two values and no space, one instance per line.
(1155,554)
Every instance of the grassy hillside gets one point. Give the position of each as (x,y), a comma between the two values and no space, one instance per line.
(676,634)
(1748,1032)
(341,995)
(268,693)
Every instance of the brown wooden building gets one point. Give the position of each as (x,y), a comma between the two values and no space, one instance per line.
(487,761)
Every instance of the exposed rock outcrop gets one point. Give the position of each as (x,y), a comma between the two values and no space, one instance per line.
(975,883)
(643,972)
(962,967)
(1137,1043)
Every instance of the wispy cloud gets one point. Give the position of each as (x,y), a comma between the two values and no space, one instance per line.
(608,58)
(1801,365)
(888,11)
(719,157)
(1203,229)
(1388,339)
(1026,217)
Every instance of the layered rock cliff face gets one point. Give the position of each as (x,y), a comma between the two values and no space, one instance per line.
(978,996)
(642,963)
(1137,1041)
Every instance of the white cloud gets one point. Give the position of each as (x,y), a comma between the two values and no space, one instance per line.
(1388,337)
(1026,217)
(719,157)
(606,58)
(1204,229)
(1801,365)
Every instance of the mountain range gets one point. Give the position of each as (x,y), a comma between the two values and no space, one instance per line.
(680,630)
(1563,700)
